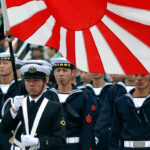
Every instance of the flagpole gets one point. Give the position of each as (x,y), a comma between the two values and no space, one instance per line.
(13,63)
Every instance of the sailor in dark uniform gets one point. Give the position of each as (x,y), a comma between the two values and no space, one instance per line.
(77,107)
(98,88)
(7,84)
(43,124)
(7,90)
(131,118)
(103,124)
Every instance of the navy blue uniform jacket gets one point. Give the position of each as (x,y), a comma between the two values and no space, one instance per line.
(50,131)
(130,123)
(103,124)
(78,116)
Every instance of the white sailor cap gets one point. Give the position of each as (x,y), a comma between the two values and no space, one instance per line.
(49,69)
(62,62)
(39,62)
(34,71)
(5,56)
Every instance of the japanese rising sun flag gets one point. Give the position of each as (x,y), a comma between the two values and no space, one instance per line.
(102,36)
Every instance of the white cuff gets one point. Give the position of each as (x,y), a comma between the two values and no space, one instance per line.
(13,114)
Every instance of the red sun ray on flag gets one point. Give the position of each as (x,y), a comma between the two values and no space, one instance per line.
(100,36)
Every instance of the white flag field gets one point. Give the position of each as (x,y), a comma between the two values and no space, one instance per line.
(100,36)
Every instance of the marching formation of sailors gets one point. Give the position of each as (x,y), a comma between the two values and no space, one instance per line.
(77,111)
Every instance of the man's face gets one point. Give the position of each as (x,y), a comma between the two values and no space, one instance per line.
(142,81)
(50,51)
(85,76)
(34,86)
(37,54)
(5,68)
(63,76)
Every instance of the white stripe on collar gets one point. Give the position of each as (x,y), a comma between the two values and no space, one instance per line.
(122,84)
(131,97)
(73,91)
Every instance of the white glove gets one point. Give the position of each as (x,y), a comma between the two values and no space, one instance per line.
(29,140)
(18,100)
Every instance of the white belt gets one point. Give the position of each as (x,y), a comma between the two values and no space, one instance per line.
(137,144)
(16,148)
(71,140)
